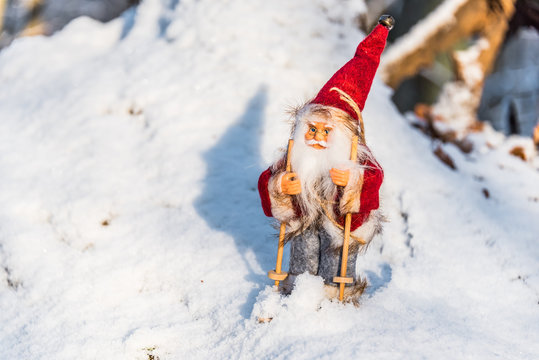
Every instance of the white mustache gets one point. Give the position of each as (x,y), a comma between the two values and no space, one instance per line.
(316,142)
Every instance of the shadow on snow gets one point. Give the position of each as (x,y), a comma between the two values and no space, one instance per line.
(230,201)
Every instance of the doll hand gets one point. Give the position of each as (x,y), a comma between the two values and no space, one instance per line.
(290,184)
(339,177)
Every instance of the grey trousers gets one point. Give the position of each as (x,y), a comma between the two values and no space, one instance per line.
(312,252)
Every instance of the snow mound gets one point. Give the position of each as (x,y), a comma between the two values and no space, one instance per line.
(130,224)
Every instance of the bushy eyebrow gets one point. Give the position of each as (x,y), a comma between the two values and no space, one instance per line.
(325,126)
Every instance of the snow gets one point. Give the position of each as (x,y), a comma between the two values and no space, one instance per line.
(455,108)
(458,101)
(130,225)
(469,61)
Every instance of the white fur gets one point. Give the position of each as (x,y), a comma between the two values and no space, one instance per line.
(368,229)
(350,201)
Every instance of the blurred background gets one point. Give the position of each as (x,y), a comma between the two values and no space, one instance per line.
(44,17)
(454,65)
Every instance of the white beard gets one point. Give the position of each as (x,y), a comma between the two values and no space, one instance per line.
(312,167)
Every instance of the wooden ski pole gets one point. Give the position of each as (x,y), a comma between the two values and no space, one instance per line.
(342,280)
(276,274)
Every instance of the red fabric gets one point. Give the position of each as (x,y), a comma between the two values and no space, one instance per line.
(263,181)
(356,76)
(372,180)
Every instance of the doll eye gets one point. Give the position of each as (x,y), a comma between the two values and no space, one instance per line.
(327,131)
(312,129)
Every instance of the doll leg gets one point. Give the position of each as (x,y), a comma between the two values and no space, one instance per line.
(304,257)
(330,260)
(304,253)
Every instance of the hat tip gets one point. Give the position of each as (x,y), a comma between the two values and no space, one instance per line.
(387,20)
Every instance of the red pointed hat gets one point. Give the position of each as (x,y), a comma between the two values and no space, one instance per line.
(353,81)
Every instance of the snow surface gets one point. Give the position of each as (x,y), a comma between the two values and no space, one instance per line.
(130,224)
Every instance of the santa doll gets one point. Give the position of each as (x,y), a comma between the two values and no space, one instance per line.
(324,184)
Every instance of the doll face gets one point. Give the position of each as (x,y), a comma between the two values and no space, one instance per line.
(317,134)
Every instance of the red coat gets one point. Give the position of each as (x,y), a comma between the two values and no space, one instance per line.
(369,199)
